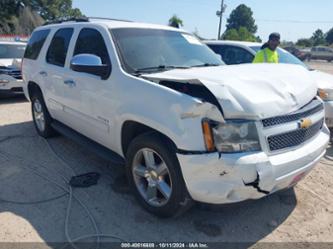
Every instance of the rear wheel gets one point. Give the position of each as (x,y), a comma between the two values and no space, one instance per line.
(155,176)
(41,117)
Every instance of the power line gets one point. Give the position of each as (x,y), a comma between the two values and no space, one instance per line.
(292,21)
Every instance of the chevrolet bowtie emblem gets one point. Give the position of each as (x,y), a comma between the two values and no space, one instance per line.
(305,123)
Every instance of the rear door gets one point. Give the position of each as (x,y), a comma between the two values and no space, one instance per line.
(55,70)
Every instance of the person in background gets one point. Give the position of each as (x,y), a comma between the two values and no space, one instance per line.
(268,53)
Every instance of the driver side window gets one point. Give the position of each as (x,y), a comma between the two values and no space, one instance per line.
(90,41)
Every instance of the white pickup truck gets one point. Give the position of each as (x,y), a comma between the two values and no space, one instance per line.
(161,102)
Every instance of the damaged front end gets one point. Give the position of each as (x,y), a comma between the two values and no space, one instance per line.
(240,162)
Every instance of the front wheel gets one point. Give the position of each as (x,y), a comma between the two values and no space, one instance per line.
(155,177)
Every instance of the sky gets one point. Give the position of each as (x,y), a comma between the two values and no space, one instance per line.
(294,19)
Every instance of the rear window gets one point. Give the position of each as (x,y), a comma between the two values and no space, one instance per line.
(9,51)
(35,44)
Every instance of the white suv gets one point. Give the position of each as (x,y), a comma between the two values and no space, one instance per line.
(11,54)
(186,126)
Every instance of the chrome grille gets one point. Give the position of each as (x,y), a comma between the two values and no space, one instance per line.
(11,72)
(293,138)
(16,74)
(310,109)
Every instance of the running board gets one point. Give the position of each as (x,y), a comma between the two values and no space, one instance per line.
(89,144)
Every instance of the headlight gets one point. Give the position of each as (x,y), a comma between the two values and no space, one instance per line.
(325,94)
(233,137)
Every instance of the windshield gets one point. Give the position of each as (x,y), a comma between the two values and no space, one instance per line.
(11,51)
(285,57)
(153,50)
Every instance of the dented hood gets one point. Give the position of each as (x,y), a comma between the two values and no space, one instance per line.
(251,91)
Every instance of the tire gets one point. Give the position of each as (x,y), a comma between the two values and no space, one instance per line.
(144,153)
(41,117)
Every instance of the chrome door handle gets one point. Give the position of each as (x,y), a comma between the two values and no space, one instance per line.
(70,83)
(43,73)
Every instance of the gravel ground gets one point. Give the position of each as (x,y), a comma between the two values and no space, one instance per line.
(304,214)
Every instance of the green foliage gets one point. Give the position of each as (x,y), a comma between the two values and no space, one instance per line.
(318,38)
(17,16)
(54,9)
(242,34)
(175,21)
(304,42)
(242,16)
(285,44)
(329,36)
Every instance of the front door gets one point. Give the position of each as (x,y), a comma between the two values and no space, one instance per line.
(86,94)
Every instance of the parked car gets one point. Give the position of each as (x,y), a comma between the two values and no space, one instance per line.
(322,53)
(11,54)
(235,52)
(186,126)
(300,54)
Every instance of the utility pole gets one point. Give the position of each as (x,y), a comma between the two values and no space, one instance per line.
(219,13)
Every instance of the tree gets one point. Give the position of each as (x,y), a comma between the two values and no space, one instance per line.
(175,21)
(231,34)
(329,36)
(318,38)
(22,16)
(242,16)
(55,9)
(242,34)
(304,42)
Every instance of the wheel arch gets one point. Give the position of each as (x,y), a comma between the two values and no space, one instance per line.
(32,88)
(131,129)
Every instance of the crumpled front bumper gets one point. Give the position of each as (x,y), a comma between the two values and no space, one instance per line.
(226,178)
(8,83)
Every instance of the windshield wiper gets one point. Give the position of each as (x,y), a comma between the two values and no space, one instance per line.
(207,65)
(158,68)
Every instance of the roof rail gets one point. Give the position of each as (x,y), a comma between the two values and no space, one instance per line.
(83,19)
(107,18)
(80,19)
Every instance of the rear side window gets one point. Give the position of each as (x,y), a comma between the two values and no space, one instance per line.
(233,55)
(57,51)
(35,44)
(90,41)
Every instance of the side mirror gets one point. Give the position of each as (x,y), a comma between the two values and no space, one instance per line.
(90,63)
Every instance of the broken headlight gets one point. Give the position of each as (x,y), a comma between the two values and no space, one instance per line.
(236,136)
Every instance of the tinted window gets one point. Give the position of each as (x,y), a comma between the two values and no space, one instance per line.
(90,41)
(152,48)
(35,44)
(57,52)
(232,55)
(11,51)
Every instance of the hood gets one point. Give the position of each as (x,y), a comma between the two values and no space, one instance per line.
(251,91)
(323,80)
(12,63)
